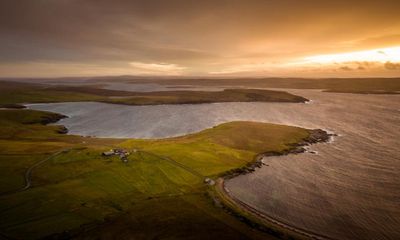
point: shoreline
(260, 220)
(196, 102)
(255, 218)
(316, 136)
(65, 130)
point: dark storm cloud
(116, 29)
(63, 29)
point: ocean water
(349, 190)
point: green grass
(18, 93)
(93, 196)
(195, 97)
(14, 94)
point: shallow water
(349, 190)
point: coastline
(316, 136)
(94, 149)
(197, 102)
(280, 229)
(259, 220)
(254, 217)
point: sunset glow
(200, 119)
(200, 38)
(376, 55)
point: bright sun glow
(377, 55)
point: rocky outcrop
(315, 136)
(53, 118)
(62, 130)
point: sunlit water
(349, 190)
(124, 86)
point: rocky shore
(316, 136)
(277, 229)
(53, 118)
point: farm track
(28, 173)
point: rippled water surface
(349, 190)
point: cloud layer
(187, 37)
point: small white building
(209, 181)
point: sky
(213, 38)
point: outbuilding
(108, 153)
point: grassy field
(14, 93)
(159, 194)
(193, 97)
